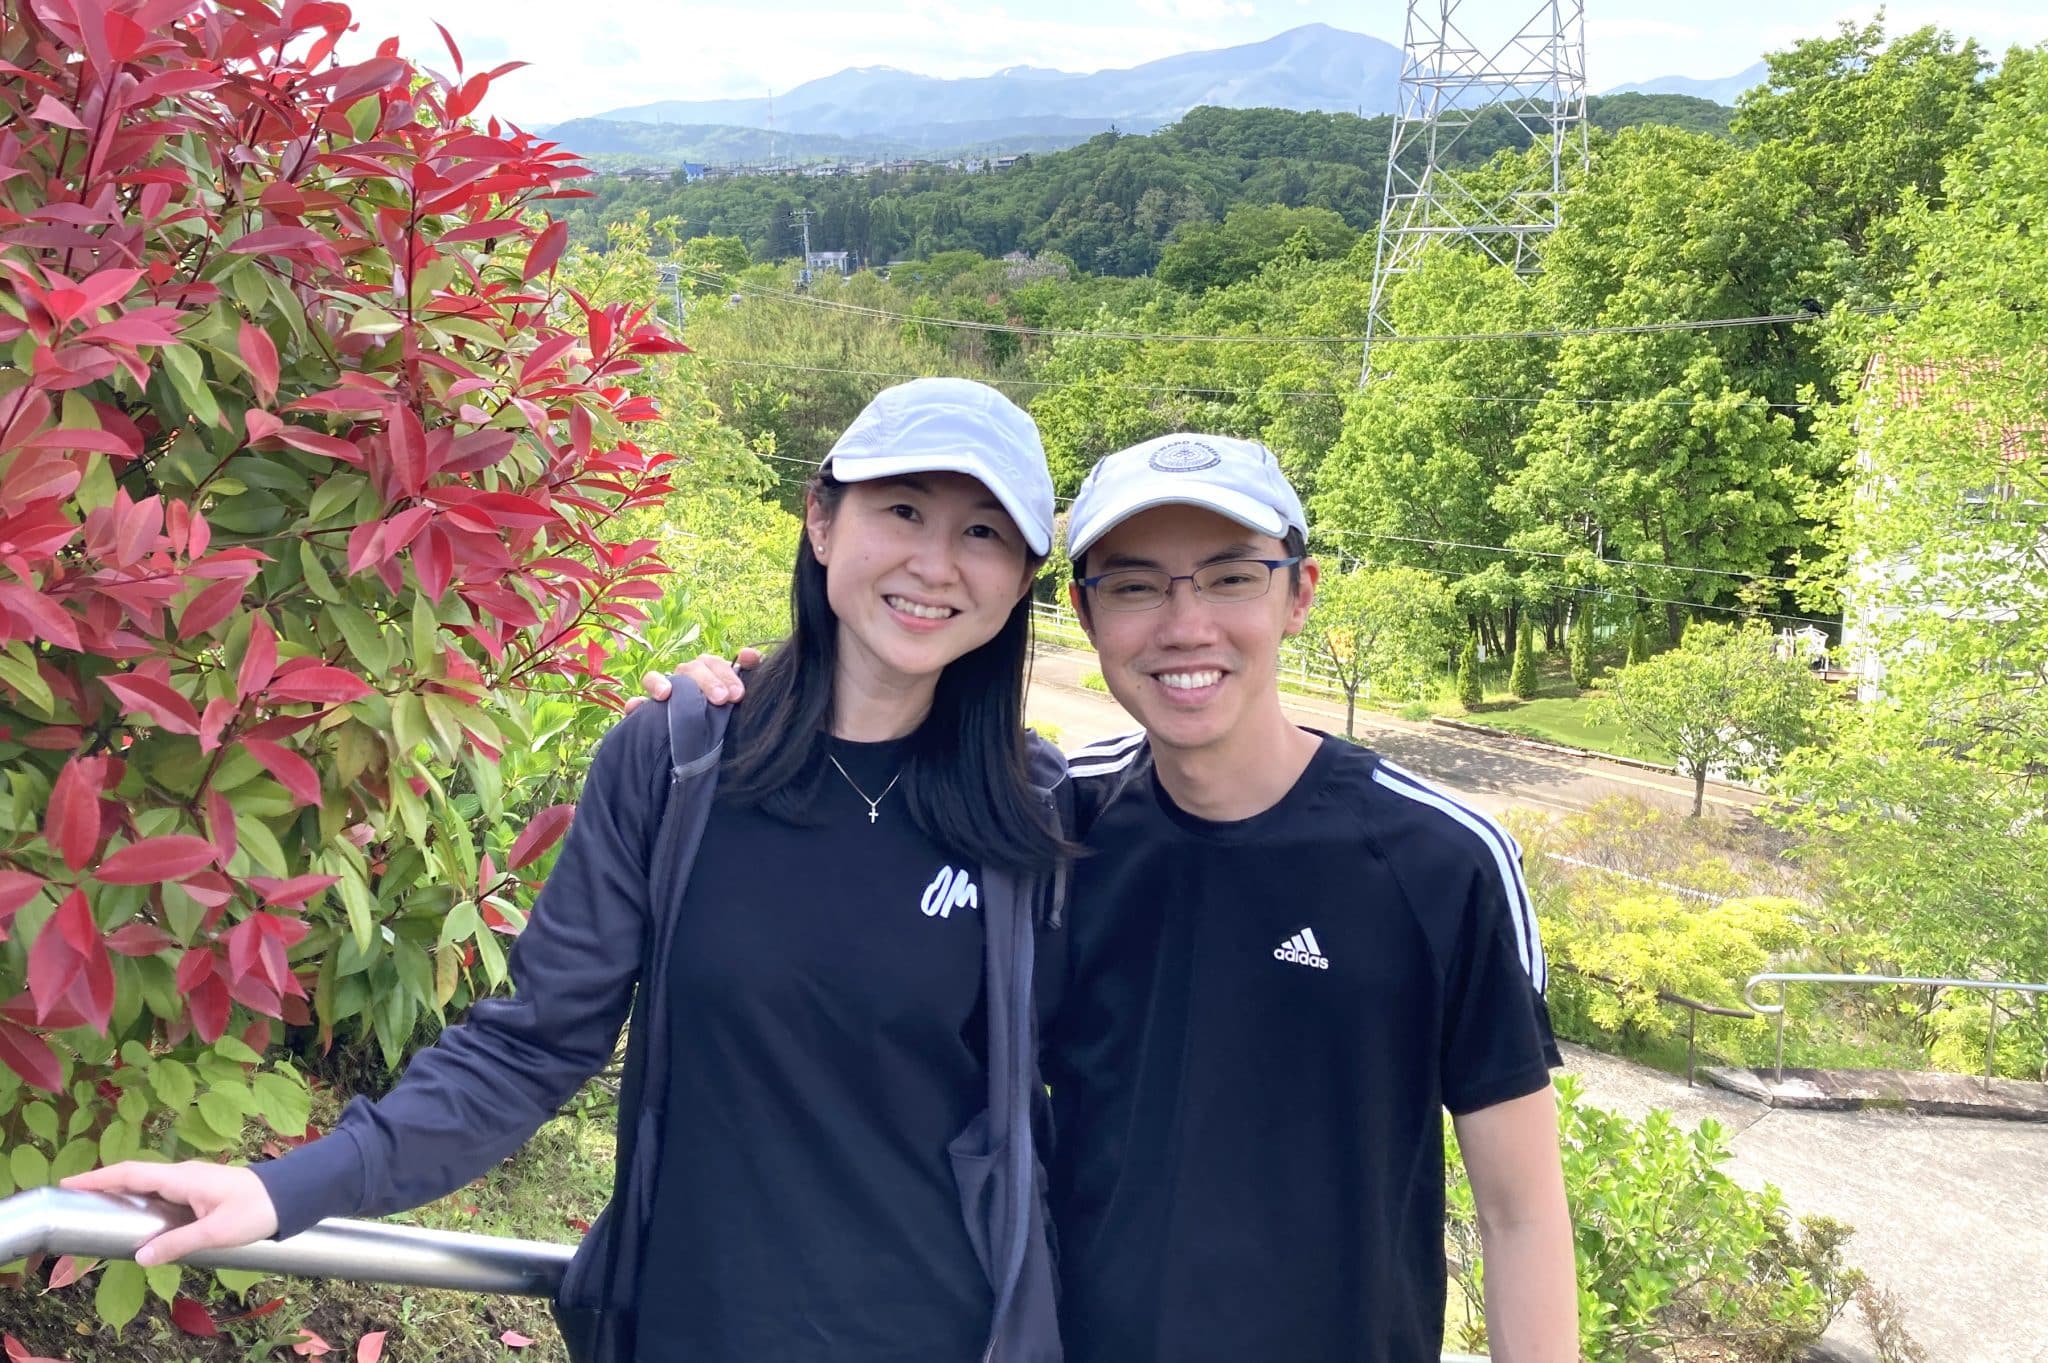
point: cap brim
(872, 466)
(1249, 512)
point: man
(1287, 957)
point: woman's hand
(718, 679)
(230, 1203)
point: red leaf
(259, 353)
(408, 449)
(16, 889)
(512, 1339)
(50, 111)
(325, 685)
(72, 824)
(191, 1317)
(68, 953)
(260, 425)
(157, 700)
(292, 771)
(29, 1056)
(259, 660)
(45, 617)
(455, 53)
(433, 559)
(139, 939)
(277, 239)
(310, 1345)
(312, 442)
(211, 607)
(66, 1272)
(547, 248)
(17, 1352)
(155, 860)
(370, 1347)
(297, 890)
(542, 831)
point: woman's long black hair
(965, 781)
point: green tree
(1469, 692)
(1206, 255)
(1385, 626)
(1722, 701)
(1929, 809)
(1638, 638)
(712, 263)
(1581, 648)
(1522, 676)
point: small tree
(1389, 626)
(1723, 700)
(1469, 692)
(1522, 677)
(1638, 640)
(1581, 649)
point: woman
(825, 1126)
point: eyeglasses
(1144, 589)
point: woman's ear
(817, 525)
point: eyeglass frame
(1271, 565)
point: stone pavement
(1951, 1213)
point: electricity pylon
(1537, 78)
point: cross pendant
(872, 815)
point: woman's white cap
(1237, 478)
(953, 426)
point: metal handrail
(115, 1225)
(1784, 979)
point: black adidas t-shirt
(1261, 1027)
(826, 1000)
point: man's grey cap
(953, 426)
(1236, 478)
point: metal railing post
(1991, 1046)
(1778, 1076)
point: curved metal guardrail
(114, 1226)
(1785, 979)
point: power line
(1485, 548)
(1057, 333)
(1239, 392)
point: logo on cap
(1186, 456)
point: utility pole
(1538, 78)
(802, 218)
(672, 278)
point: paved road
(1495, 774)
(1951, 1213)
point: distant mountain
(1311, 67)
(1726, 90)
(668, 144)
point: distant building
(1020, 267)
(840, 262)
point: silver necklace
(873, 811)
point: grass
(1566, 720)
(1094, 681)
(548, 1191)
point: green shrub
(1094, 682)
(1522, 679)
(1581, 650)
(1469, 692)
(1670, 1249)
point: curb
(1566, 750)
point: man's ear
(1303, 597)
(1074, 600)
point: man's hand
(229, 1201)
(718, 679)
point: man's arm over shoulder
(488, 1083)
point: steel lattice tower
(1538, 78)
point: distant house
(1885, 592)
(839, 262)
(1021, 267)
(692, 171)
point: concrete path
(1494, 774)
(1951, 1213)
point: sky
(605, 54)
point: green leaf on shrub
(30, 1167)
(75, 1158)
(119, 1295)
(283, 1103)
(41, 1120)
(187, 371)
(238, 1280)
(315, 573)
(194, 1130)
(18, 669)
(224, 1109)
(120, 1140)
(163, 1280)
(173, 1082)
(235, 1049)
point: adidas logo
(1302, 949)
